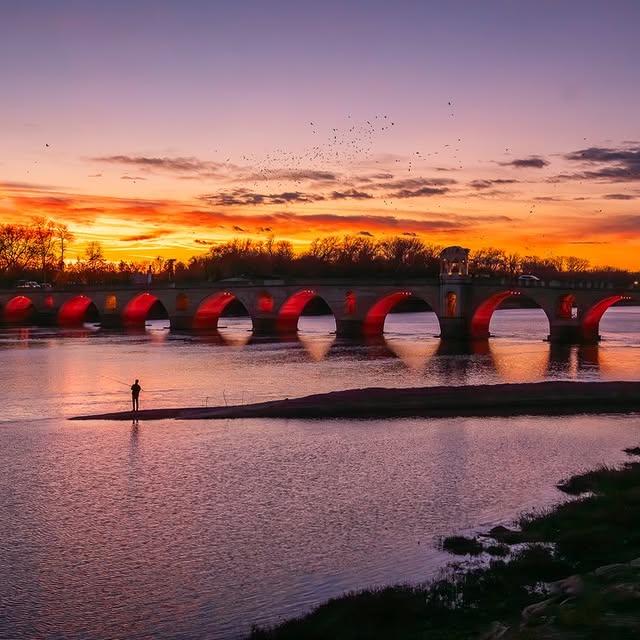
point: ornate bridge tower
(454, 293)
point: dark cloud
(25, 186)
(418, 193)
(265, 229)
(350, 194)
(239, 229)
(205, 242)
(619, 196)
(532, 162)
(414, 183)
(608, 164)
(171, 165)
(410, 234)
(309, 175)
(151, 235)
(365, 233)
(486, 184)
(589, 242)
(370, 177)
(240, 197)
(133, 178)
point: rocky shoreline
(567, 573)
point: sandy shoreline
(531, 398)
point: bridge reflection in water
(459, 362)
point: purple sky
(244, 81)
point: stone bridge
(463, 304)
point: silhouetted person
(135, 395)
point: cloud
(417, 193)
(99, 215)
(486, 184)
(151, 235)
(609, 164)
(310, 175)
(365, 233)
(350, 194)
(243, 197)
(410, 234)
(370, 177)
(180, 165)
(532, 162)
(205, 242)
(619, 196)
(25, 186)
(133, 178)
(589, 242)
(414, 183)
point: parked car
(525, 277)
(46, 285)
(27, 284)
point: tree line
(37, 251)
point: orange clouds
(528, 211)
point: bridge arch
(293, 307)
(481, 318)
(138, 309)
(77, 310)
(376, 315)
(211, 308)
(18, 310)
(590, 321)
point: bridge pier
(181, 322)
(349, 328)
(266, 326)
(111, 321)
(570, 332)
(456, 330)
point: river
(201, 529)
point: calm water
(200, 529)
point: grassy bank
(512, 595)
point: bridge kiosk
(455, 282)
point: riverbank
(532, 398)
(570, 572)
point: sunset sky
(161, 128)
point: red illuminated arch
(18, 309)
(482, 317)
(137, 309)
(292, 308)
(591, 319)
(210, 309)
(374, 320)
(74, 311)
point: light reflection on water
(200, 529)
